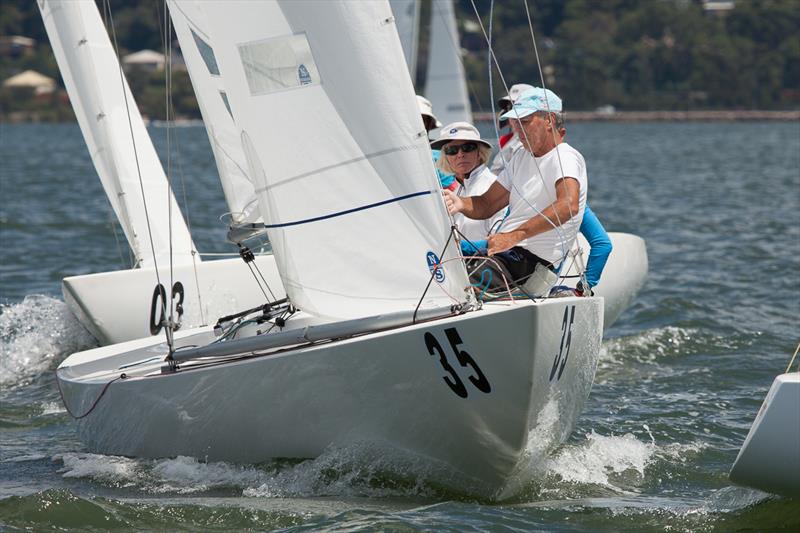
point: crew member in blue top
(447, 181)
(600, 249)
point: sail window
(225, 101)
(207, 53)
(278, 64)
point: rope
(792, 361)
(94, 404)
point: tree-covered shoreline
(627, 55)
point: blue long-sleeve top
(600, 243)
(445, 180)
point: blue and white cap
(533, 100)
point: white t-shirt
(533, 189)
(504, 154)
(477, 183)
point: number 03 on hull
(461, 394)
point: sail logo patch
(302, 73)
(435, 267)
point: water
(681, 377)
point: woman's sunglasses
(466, 148)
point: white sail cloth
(338, 152)
(446, 85)
(112, 127)
(190, 22)
(406, 15)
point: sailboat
(120, 305)
(769, 458)
(380, 338)
(406, 16)
(446, 83)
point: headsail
(114, 132)
(190, 24)
(406, 15)
(446, 85)
(338, 153)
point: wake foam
(35, 335)
(352, 471)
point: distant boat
(380, 338)
(769, 459)
(118, 306)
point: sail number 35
(453, 380)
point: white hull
(770, 456)
(115, 306)
(384, 388)
(623, 276)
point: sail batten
(336, 149)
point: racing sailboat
(380, 338)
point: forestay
(406, 15)
(446, 85)
(114, 132)
(338, 153)
(190, 23)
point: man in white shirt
(544, 186)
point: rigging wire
(457, 46)
(138, 168)
(557, 227)
(171, 109)
(167, 115)
(546, 102)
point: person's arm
(477, 207)
(600, 246)
(565, 207)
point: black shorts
(513, 266)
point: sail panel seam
(365, 157)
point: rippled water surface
(681, 377)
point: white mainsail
(114, 132)
(406, 15)
(446, 85)
(336, 147)
(190, 21)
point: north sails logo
(302, 73)
(435, 267)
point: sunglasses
(466, 148)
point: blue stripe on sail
(348, 211)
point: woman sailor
(465, 155)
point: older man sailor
(544, 186)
